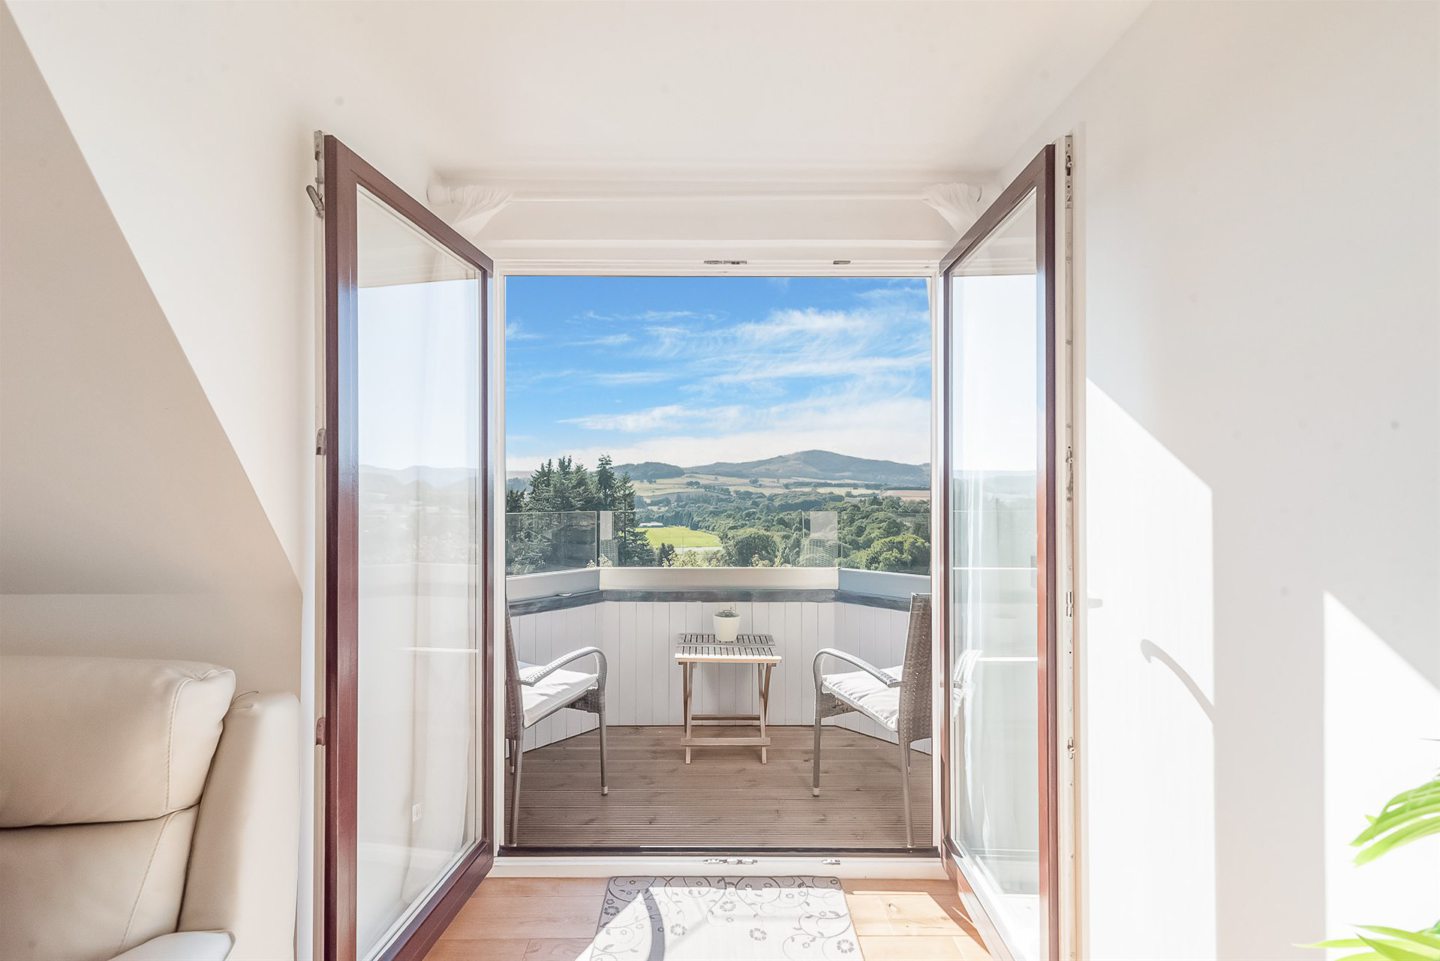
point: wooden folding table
(758, 649)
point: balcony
(725, 798)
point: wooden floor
(553, 919)
(725, 798)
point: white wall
(127, 524)
(1259, 243)
(203, 156)
(196, 123)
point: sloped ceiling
(117, 478)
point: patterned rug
(723, 919)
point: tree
(635, 549)
(750, 547)
(605, 482)
(666, 555)
(904, 552)
(790, 553)
(698, 559)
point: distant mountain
(433, 476)
(823, 465)
(806, 465)
(650, 470)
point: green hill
(822, 465)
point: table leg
(764, 708)
(686, 670)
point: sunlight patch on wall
(1149, 695)
(1382, 736)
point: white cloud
(634, 422)
(820, 365)
(610, 340)
(804, 324)
(623, 378)
(894, 429)
(794, 344)
(650, 316)
(665, 417)
(514, 331)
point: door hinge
(1070, 748)
(1069, 603)
(320, 442)
(320, 731)
(1069, 172)
(315, 191)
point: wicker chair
(896, 698)
(533, 693)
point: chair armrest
(536, 675)
(884, 677)
(182, 946)
(242, 873)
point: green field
(680, 537)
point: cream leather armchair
(146, 813)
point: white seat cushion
(557, 689)
(866, 694)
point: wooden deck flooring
(553, 919)
(725, 798)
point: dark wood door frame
(1037, 177)
(343, 173)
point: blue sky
(696, 369)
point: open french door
(408, 649)
(999, 541)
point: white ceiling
(739, 114)
(771, 89)
(778, 132)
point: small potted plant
(727, 625)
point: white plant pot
(726, 629)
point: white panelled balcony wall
(634, 615)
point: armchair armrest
(884, 677)
(537, 674)
(182, 946)
(242, 874)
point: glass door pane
(999, 317)
(418, 333)
(408, 652)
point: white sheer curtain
(419, 410)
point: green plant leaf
(1426, 791)
(1422, 939)
(1390, 819)
(1395, 952)
(1398, 838)
(1366, 955)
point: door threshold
(920, 864)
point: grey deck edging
(873, 600)
(560, 602)
(554, 602)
